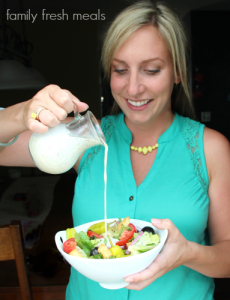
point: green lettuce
(95, 242)
(145, 243)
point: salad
(123, 240)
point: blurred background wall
(65, 53)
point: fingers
(175, 253)
(66, 100)
(167, 260)
(139, 284)
(165, 224)
(142, 276)
(58, 103)
(152, 272)
(62, 98)
(49, 119)
(81, 106)
(161, 223)
(36, 126)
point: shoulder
(217, 155)
(217, 151)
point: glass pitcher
(57, 150)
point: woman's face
(142, 76)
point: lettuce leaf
(145, 243)
(95, 242)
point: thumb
(161, 223)
(82, 106)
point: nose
(134, 84)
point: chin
(137, 118)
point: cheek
(162, 86)
(116, 85)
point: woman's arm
(214, 260)
(10, 123)
(17, 154)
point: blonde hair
(143, 13)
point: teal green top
(175, 188)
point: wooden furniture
(12, 248)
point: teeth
(138, 103)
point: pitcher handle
(77, 116)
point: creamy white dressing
(105, 184)
(55, 151)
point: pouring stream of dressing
(105, 181)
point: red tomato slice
(126, 235)
(91, 233)
(69, 245)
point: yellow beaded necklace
(144, 150)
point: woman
(178, 184)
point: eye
(152, 72)
(120, 71)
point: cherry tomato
(69, 245)
(126, 235)
(91, 234)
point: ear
(177, 79)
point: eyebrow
(144, 61)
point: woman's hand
(174, 254)
(58, 104)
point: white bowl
(110, 273)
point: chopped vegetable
(97, 256)
(125, 223)
(136, 238)
(92, 234)
(69, 245)
(99, 228)
(117, 251)
(116, 233)
(85, 240)
(70, 233)
(145, 243)
(134, 241)
(78, 252)
(126, 235)
(95, 242)
(148, 229)
(79, 238)
(94, 251)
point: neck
(148, 134)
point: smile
(138, 103)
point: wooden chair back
(12, 248)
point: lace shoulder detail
(190, 131)
(108, 127)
